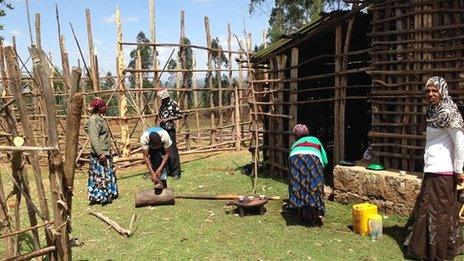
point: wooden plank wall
(412, 41)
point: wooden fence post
(60, 206)
(73, 121)
(293, 109)
(125, 140)
(210, 81)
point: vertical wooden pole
(60, 206)
(125, 141)
(38, 38)
(280, 158)
(293, 109)
(186, 93)
(344, 82)
(220, 105)
(338, 65)
(92, 55)
(241, 83)
(139, 80)
(73, 120)
(3, 72)
(195, 95)
(210, 81)
(237, 134)
(272, 120)
(155, 52)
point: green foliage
(146, 52)
(287, 16)
(4, 5)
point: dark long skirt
(306, 188)
(101, 185)
(174, 159)
(436, 234)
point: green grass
(206, 229)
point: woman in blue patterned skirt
(306, 181)
(102, 186)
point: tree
(146, 52)
(217, 58)
(4, 5)
(287, 16)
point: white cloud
(112, 19)
(97, 41)
(15, 32)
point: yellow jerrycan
(360, 215)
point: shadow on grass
(399, 234)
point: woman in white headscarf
(436, 234)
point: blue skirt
(306, 187)
(102, 186)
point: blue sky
(135, 15)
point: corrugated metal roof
(326, 21)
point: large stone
(391, 192)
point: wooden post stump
(149, 198)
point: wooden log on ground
(149, 198)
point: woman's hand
(460, 177)
(102, 159)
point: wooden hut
(317, 76)
(357, 77)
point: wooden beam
(293, 109)
(210, 80)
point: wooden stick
(26, 229)
(26, 148)
(36, 253)
(180, 45)
(122, 231)
(219, 197)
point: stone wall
(392, 193)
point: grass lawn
(207, 229)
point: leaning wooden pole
(92, 55)
(236, 114)
(64, 55)
(38, 37)
(73, 122)
(60, 206)
(18, 170)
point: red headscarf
(98, 105)
(300, 130)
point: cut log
(149, 198)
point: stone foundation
(392, 193)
